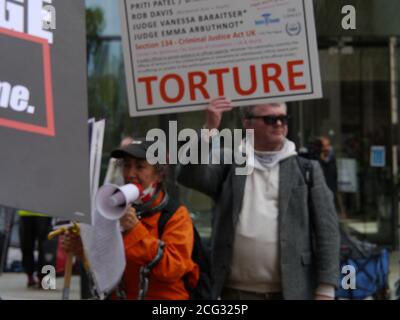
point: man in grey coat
(266, 242)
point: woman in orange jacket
(171, 255)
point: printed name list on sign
(179, 54)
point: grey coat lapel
(286, 183)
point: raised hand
(215, 110)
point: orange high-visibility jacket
(166, 278)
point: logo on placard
(293, 29)
(267, 20)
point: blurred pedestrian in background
(33, 229)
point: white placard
(104, 249)
(96, 150)
(179, 54)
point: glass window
(355, 115)
(110, 10)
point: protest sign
(97, 130)
(179, 54)
(102, 240)
(44, 165)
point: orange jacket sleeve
(141, 247)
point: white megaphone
(112, 201)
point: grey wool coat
(304, 263)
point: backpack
(200, 256)
(306, 169)
(371, 266)
(371, 263)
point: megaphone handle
(67, 276)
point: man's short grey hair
(248, 112)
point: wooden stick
(67, 276)
(69, 263)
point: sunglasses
(272, 120)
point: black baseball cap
(136, 149)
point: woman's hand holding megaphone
(129, 220)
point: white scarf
(268, 159)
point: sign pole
(74, 229)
